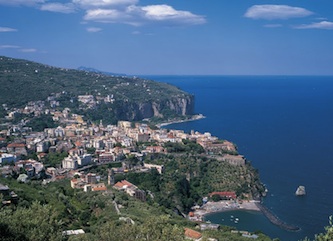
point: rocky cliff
(175, 106)
(94, 95)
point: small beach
(223, 206)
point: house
(98, 187)
(236, 160)
(17, 148)
(94, 187)
(91, 178)
(130, 189)
(159, 168)
(192, 234)
(70, 163)
(7, 158)
(106, 157)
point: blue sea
(284, 127)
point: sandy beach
(223, 206)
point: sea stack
(300, 191)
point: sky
(175, 37)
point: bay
(284, 127)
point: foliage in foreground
(327, 235)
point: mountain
(95, 95)
(100, 72)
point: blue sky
(219, 37)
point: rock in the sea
(300, 191)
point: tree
(36, 223)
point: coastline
(192, 118)
(252, 205)
(223, 206)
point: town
(81, 146)
(94, 144)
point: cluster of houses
(111, 142)
(88, 182)
(92, 182)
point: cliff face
(94, 95)
(175, 106)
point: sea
(283, 125)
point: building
(192, 234)
(94, 187)
(70, 163)
(236, 160)
(224, 195)
(106, 157)
(159, 168)
(126, 186)
(91, 178)
(17, 148)
(7, 158)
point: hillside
(118, 98)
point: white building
(70, 163)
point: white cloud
(319, 25)
(136, 32)
(103, 3)
(168, 13)
(270, 12)
(5, 29)
(105, 15)
(138, 15)
(58, 7)
(9, 46)
(94, 30)
(28, 50)
(21, 2)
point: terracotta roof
(16, 145)
(99, 188)
(118, 185)
(190, 233)
(122, 183)
(224, 194)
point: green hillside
(22, 81)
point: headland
(192, 118)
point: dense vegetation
(43, 212)
(23, 81)
(188, 178)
